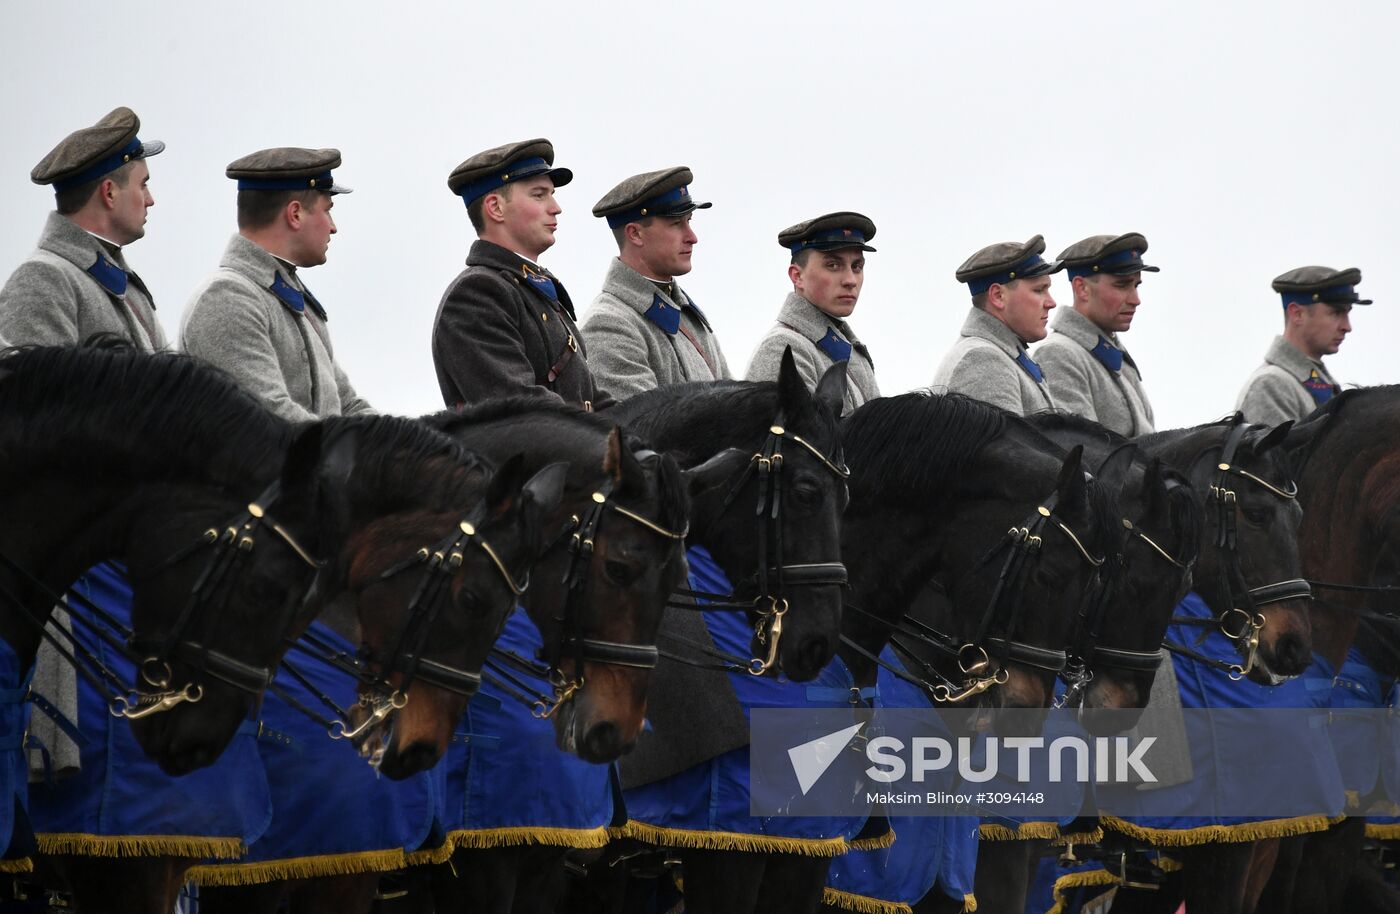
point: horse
(117, 404)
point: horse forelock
(917, 444)
(164, 414)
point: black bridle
(233, 547)
(1086, 654)
(1242, 621)
(772, 578)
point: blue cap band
(101, 167)
(831, 239)
(660, 205)
(323, 181)
(515, 171)
(1336, 294)
(983, 283)
(1107, 264)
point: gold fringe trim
(1023, 832)
(734, 841)
(1221, 834)
(1094, 836)
(969, 904)
(1071, 881)
(429, 855)
(862, 904)
(874, 844)
(1387, 831)
(297, 868)
(20, 865)
(83, 845)
(1353, 799)
(527, 834)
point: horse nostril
(1290, 655)
(816, 653)
(602, 742)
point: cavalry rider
(1292, 382)
(643, 330)
(505, 325)
(254, 318)
(827, 271)
(1088, 371)
(1011, 304)
(77, 283)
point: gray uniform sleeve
(617, 354)
(229, 328)
(721, 362)
(1068, 382)
(38, 306)
(1267, 400)
(988, 375)
(768, 359)
(351, 403)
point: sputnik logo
(811, 759)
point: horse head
(430, 609)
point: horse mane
(918, 442)
(1069, 422)
(390, 457)
(695, 419)
(116, 408)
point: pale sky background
(1242, 139)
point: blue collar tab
(540, 281)
(108, 275)
(1340, 295)
(665, 204)
(834, 346)
(515, 171)
(1112, 264)
(291, 296)
(1017, 271)
(1029, 366)
(836, 238)
(323, 181)
(1318, 387)
(1110, 355)
(663, 315)
(101, 167)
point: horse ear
(716, 471)
(540, 496)
(303, 458)
(504, 486)
(1302, 434)
(792, 391)
(1072, 486)
(831, 389)
(1276, 436)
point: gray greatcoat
(1275, 392)
(238, 321)
(1085, 386)
(630, 353)
(72, 287)
(802, 325)
(983, 365)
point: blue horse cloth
(929, 853)
(120, 803)
(707, 806)
(354, 821)
(504, 781)
(1305, 771)
(16, 838)
(1370, 753)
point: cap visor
(340, 189)
(1044, 269)
(840, 246)
(1131, 268)
(151, 148)
(560, 176)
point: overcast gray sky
(1242, 139)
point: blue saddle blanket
(120, 802)
(16, 837)
(505, 781)
(354, 819)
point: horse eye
(1255, 516)
(807, 496)
(619, 573)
